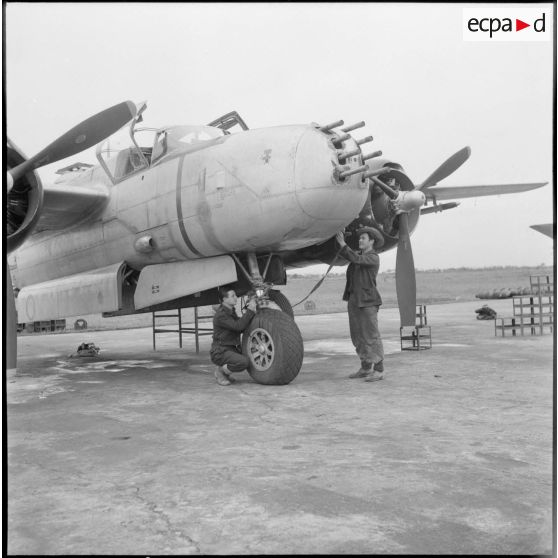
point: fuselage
(264, 190)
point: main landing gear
(272, 342)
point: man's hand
(251, 304)
(340, 237)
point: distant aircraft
(547, 229)
(174, 212)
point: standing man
(226, 351)
(364, 302)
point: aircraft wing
(458, 192)
(64, 205)
(547, 229)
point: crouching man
(226, 351)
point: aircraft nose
(321, 191)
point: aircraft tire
(282, 349)
(282, 301)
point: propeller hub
(410, 200)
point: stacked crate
(533, 314)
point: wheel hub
(261, 349)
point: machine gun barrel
(365, 140)
(329, 127)
(371, 155)
(353, 127)
(346, 173)
(346, 154)
(341, 138)
(390, 192)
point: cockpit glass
(180, 137)
(190, 135)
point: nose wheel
(273, 344)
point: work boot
(360, 373)
(221, 377)
(228, 373)
(379, 366)
(374, 376)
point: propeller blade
(11, 324)
(446, 168)
(460, 192)
(405, 281)
(83, 136)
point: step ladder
(419, 336)
(196, 330)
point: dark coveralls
(364, 301)
(226, 349)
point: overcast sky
(405, 69)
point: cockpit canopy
(175, 138)
(134, 149)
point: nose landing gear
(274, 346)
(272, 342)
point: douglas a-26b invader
(164, 220)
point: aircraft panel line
(179, 211)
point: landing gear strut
(272, 342)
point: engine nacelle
(379, 211)
(24, 201)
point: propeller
(405, 202)
(405, 280)
(83, 136)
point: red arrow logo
(519, 25)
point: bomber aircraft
(169, 214)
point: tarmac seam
(153, 508)
(270, 409)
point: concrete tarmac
(141, 452)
